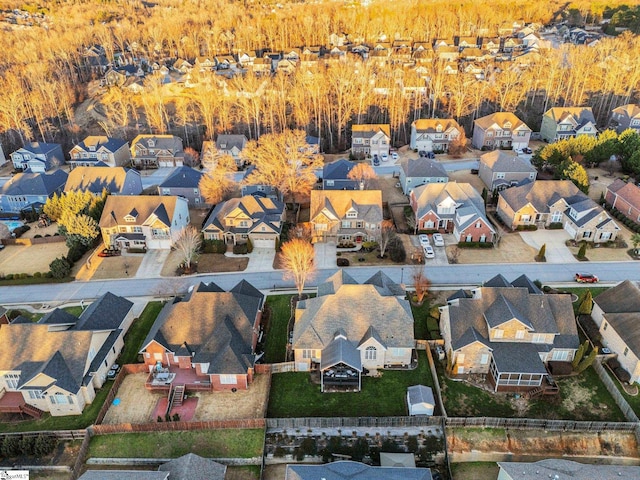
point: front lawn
(68, 422)
(137, 333)
(293, 394)
(236, 443)
(75, 310)
(275, 333)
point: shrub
(37, 275)
(583, 250)
(60, 268)
(475, 245)
(555, 226)
(622, 374)
(44, 445)
(396, 250)
(10, 446)
(24, 275)
(279, 452)
(75, 253)
(18, 232)
(249, 245)
(214, 246)
(343, 262)
(8, 276)
(27, 445)
(37, 236)
(240, 249)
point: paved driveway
(152, 263)
(261, 260)
(556, 251)
(325, 255)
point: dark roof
(261, 210)
(95, 179)
(568, 470)
(193, 467)
(385, 285)
(499, 161)
(459, 294)
(58, 317)
(621, 307)
(41, 184)
(106, 313)
(141, 207)
(348, 470)
(228, 141)
(182, 177)
(524, 281)
(40, 147)
(338, 170)
(497, 281)
(517, 357)
(341, 350)
(123, 475)
(423, 167)
(102, 354)
(93, 143)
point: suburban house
(501, 130)
(509, 332)
(420, 171)
(616, 312)
(546, 202)
(556, 468)
(251, 217)
(232, 145)
(346, 216)
(451, 208)
(499, 170)
(624, 197)
(625, 117)
(143, 221)
(153, 151)
(350, 328)
(30, 191)
(434, 134)
(560, 123)
(56, 364)
(206, 340)
(335, 176)
(114, 152)
(350, 470)
(38, 157)
(183, 182)
(370, 140)
(115, 180)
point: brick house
(624, 197)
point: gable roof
(228, 141)
(463, 194)
(39, 148)
(41, 184)
(106, 313)
(341, 350)
(193, 467)
(578, 115)
(58, 316)
(349, 470)
(370, 130)
(420, 394)
(219, 331)
(541, 194)
(338, 170)
(123, 475)
(368, 203)
(96, 179)
(93, 143)
(430, 125)
(499, 161)
(623, 298)
(182, 177)
(628, 191)
(631, 110)
(261, 210)
(171, 143)
(423, 167)
(141, 207)
(499, 119)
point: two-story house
(251, 217)
(335, 176)
(500, 130)
(625, 117)
(143, 221)
(27, 191)
(420, 171)
(346, 216)
(232, 145)
(206, 340)
(153, 151)
(451, 208)
(331, 334)
(509, 332)
(113, 152)
(183, 182)
(499, 170)
(624, 197)
(434, 134)
(370, 140)
(544, 202)
(115, 180)
(560, 123)
(38, 157)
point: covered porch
(517, 367)
(340, 366)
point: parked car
(474, 171)
(586, 278)
(438, 240)
(109, 252)
(527, 151)
(424, 240)
(428, 251)
(394, 155)
(385, 157)
(376, 161)
(422, 153)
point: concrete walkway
(556, 250)
(152, 263)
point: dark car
(586, 278)
(422, 153)
(527, 151)
(431, 155)
(474, 171)
(376, 160)
(109, 252)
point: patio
(163, 379)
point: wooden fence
(175, 426)
(82, 454)
(363, 422)
(615, 393)
(64, 435)
(124, 371)
(283, 367)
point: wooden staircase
(178, 396)
(31, 410)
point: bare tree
(420, 282)
(187, 242)
(362, 173)
(297, 262)
(191, 157)
(387, 232)
(217, 183)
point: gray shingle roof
(524, 281)
(227, 142)
(368, 203)
(501, 311)
(420, 394)
(569, 470)
(193, 467)
(123, 475)
(261, 210)
(106, 313)
(182, 177)
(140, 206)
(430, 195)
(621, 307)
(517, 357)
(541, 194)
(40, 148)
(499, 161)
(96, 179)
(348, 470)
(43, 184)
(58, 317)
(341, 350)
(423, 167)
(337, 170)
(98, 141)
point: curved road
(453, 275)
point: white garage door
(263, 243)
(569, 229)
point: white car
(424, 240)
(394, 155)
(438, 241)
(428, 252)
(385, 157)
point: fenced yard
(278, 313)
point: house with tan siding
(434, 134)
(370, 140)
(500, 130)
(509, 331)
(546, 202)
(499, 170)
(625, 117)
(559, 123)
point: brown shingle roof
(140, 206)
(500, 118)
(627, 191)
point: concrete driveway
(325, 255)
(556, 251)
(441, 252)
(152, 263)
(261, 260)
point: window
(61, 399)
(330, 183)
(573, 214)
(531, 176)
(556, 217)
(484, 359)
(478, 224)
(522, 134)
(359, 224)
(228, 380)
(308, 354)
(561, 355)
(346, 224)
(321, 227)
(525, 218)
(352, 214)
(166, 191)
(370, 353)
(499, 176)
(11, 380)
(36, 394)
(586, 234)
(626, 350)
(397, 352)
(520, 334)
(605, 236)
(497, 333)
(137, 229)
(428, 224)
(489, 134)
(538, 338)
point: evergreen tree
(586, 305)
(587, 361)
(579, 354)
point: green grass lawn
(467, 470)
(275, 346)
(34, 317)
(137, 332)
(68, 422)
(206, 443)
(632, 400)
(75, 311)
(581, 292)
(293, 394)
(425, 327)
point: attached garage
(570, 229)
(420, 400)
(263, 242)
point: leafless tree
(216, 184)
(420, 282)
(187, 242)
(386, 233)
(297, 262)
(362, 173)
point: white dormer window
(438, 128)
(507, 125)
(129, 218)
(352, 213)
(573, 214)
(151, 143)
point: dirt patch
(274, 472)
(390, 192)
(30, 259)
(242, 473)
(65, 453)
(465, 176)
(136, 402)
(207, 263)
(124, 266)
(512, 249)
(234, 405)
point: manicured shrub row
(475, 245)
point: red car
(586, 278)
(109, 252)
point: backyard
(137, 333)
(293, 394)
(425, 325)
(278, 312)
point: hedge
(475, 245)
(528, 228)
(214, 246)
(240, 249)
(555, 226)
